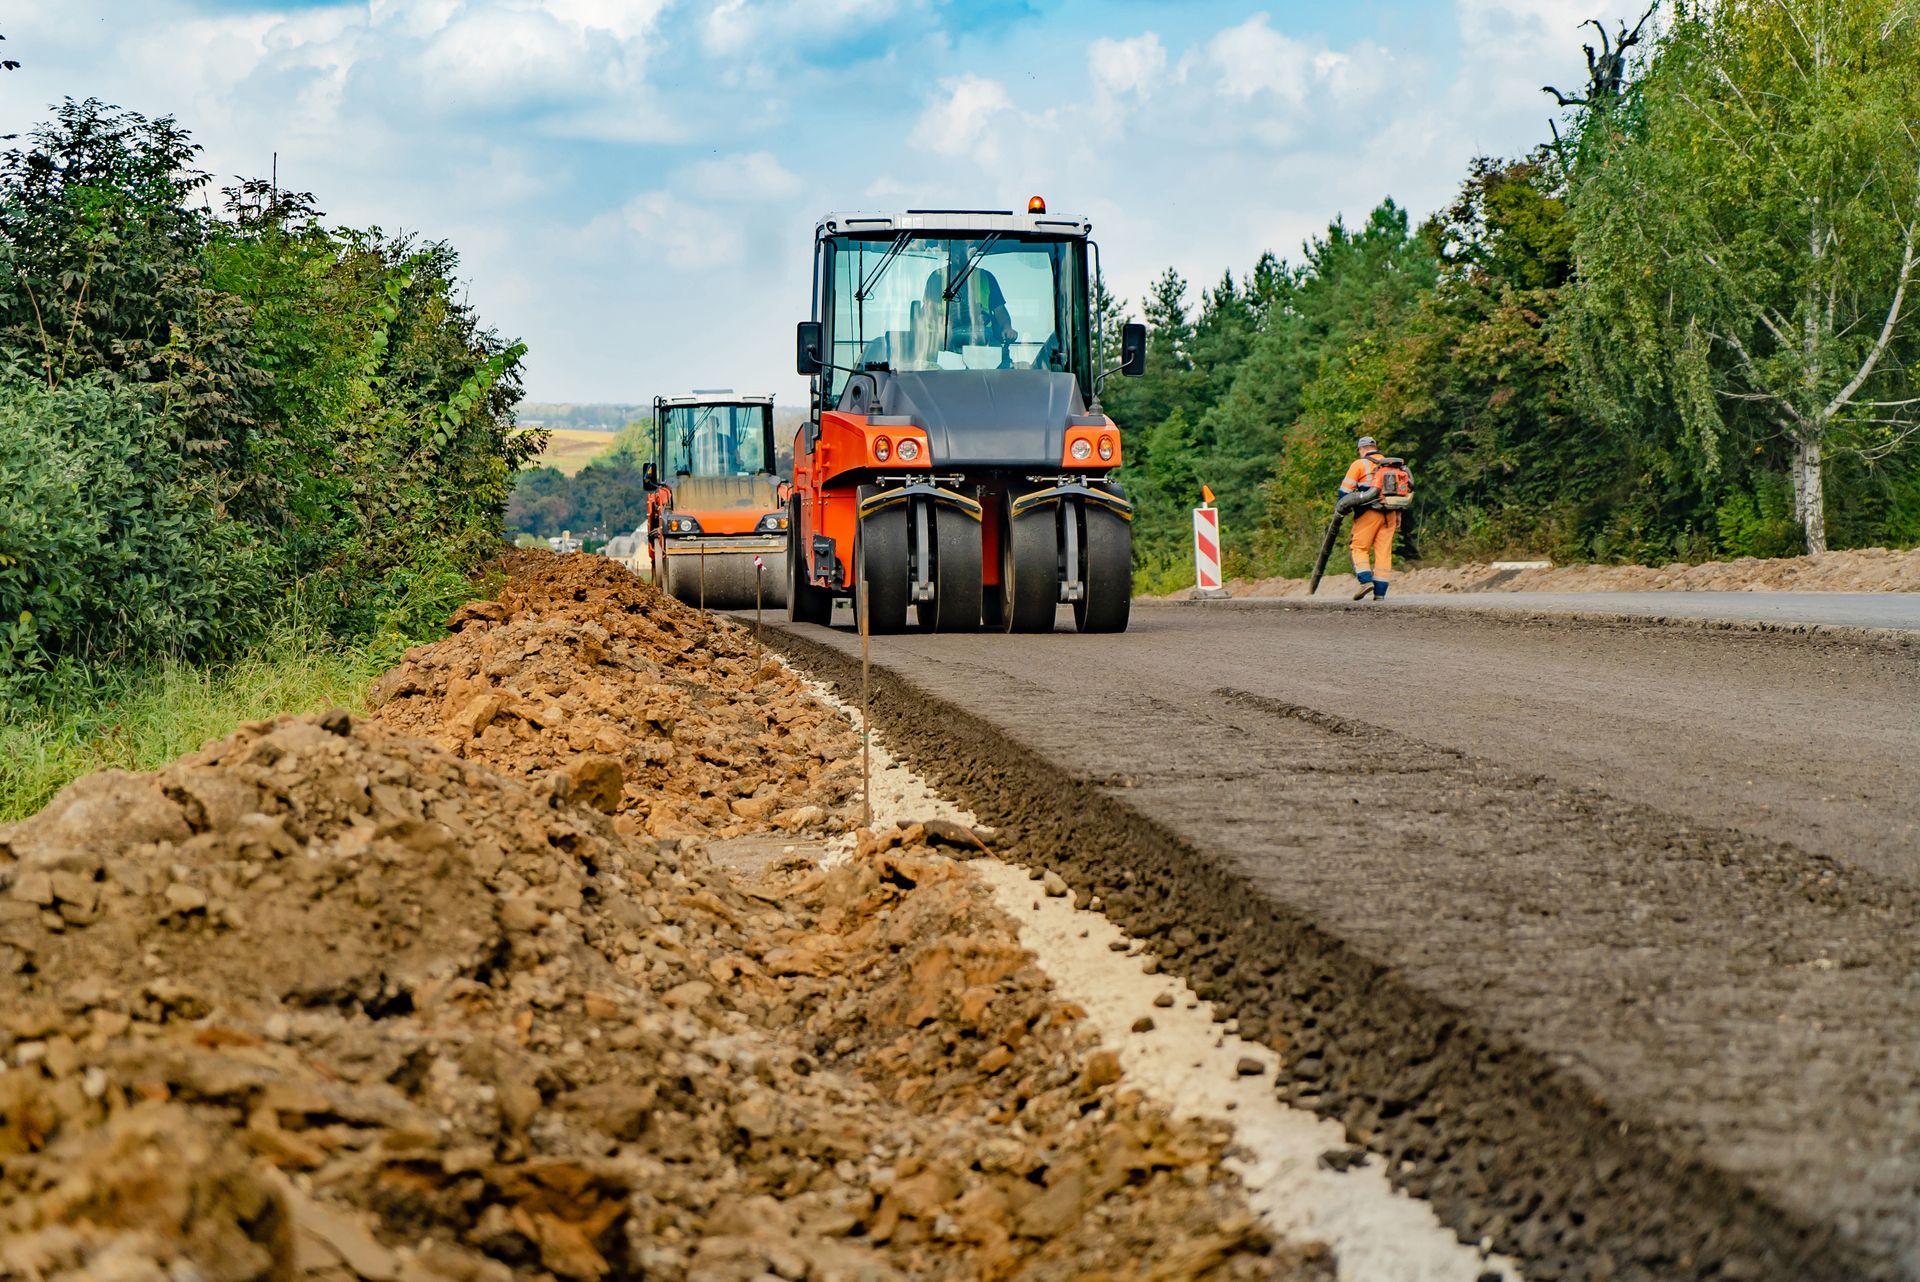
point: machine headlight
(1082, 449)
(682, 525)
(909, 451)
(882, 449)
(1106, 448)
(773, 522)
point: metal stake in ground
(758, 566)
(703, 576)
(866, 684)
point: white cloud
(964, 121)
(1131, 66)
(623, 19)
(735, 27)
(628, 179)
(1254, 61)
(412, 17)
(755, 176)
(582, 62)
(500, 61)
(1253, 58)
(682, 235)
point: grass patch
(142, 718)
(1163, 576)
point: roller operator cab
(956, 454)
(714, 502)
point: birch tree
(1746, 236)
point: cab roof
(955, 221)
(711, 398)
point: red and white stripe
(1206, 549)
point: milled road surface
(1604, 935)
(1899, 610)
(1813, 743)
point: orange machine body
(828, 477)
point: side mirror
(649, 477)
(1133, 350)
(806, 347)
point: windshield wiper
(886, 261)
(966, 270)
(693, 428)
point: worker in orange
(1373, 527)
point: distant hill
(599, 417)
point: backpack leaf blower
(1348, 502)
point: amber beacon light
(1037, 205)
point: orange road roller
(956, 459)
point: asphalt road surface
(1603, 935)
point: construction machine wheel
(722, 580)
(1106, 572)
(883, 547)
(805, 602)
(1030, 572)
(679, 580)
(956, 600)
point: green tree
(1473, 383)
(1746, 225)
(234, 417)
(1268, 450)
(102, 247)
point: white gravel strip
(1192, 1064)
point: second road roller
(715, 504)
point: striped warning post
(1206, 551)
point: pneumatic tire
(1106, 571)
(883, 549)
(956, 600)
(1030, 571)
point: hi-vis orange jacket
(1360, 474)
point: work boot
(1379, 589)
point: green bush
(1759, 521)
(216, 424)
(108, 550)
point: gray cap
(1366, 440)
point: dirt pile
(1861, 570)
(657, 712)
(327, 1001)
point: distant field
(569, 448)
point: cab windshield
(954, 303)
(716, 440)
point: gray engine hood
(1015, 417)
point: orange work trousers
(1373, 532)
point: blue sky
(633, 183)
